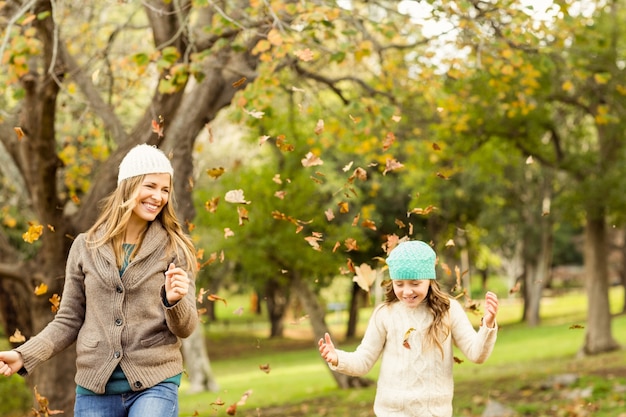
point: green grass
(299, 384)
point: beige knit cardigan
(118, 320)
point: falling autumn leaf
(263, 139)
(436, 147)
(19, 132)
(242, 212)
(396, 118)
(215, 172)
(343, 207)
(529, 160)
(33, 233)
(215, 297)
(392, 165)
(319, 127)
(239, 82)
(17, 337)
(457, 360)
(449, 243)
(358, 173)
(55, 300)
(365, 276)
(236, 197)
(368, 224)
(280, 194)
(576, 326)
(157, 127)
(41, 289)
(329, 214)
(311, 159)
(351, 244)
(516, 287)
(228, 232)
(211, 205)
(390, 138)
(405, 340)
(265, 368)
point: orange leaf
(41, 289)
(214, 297)
(55, 300)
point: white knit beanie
(144, 159)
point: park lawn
(518, 373)
(295, 382)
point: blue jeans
(158, 401)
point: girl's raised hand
(327, 349)
(491, 309)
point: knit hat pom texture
(144, 159)
(412, 260)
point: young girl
(129, 297)
(413, 331)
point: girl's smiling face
(411, 291)
(154, 193)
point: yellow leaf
(567, 86)
(17, 337)
(601, 78)
(33, 233)
(41, 289)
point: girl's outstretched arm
(327, 349)
(491, 309)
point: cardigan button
(118, 322)
(138, 384)
(117, 354)
(119, 289)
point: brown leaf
(265, 368)
(239, 82)
(19, 132)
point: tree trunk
(201, 376)
(277, 302)
(598, 336)
(536, 281)
(353, 315)
(315, 312)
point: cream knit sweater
(415, 381)
(117, 320)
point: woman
(128, 299)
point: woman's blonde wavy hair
(116, 211)
(439, 305)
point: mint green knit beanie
(412, 259)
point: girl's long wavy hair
(116, 211)
(439, 304)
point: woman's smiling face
(411, 291)
(154, 193)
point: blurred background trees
(307, 137)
